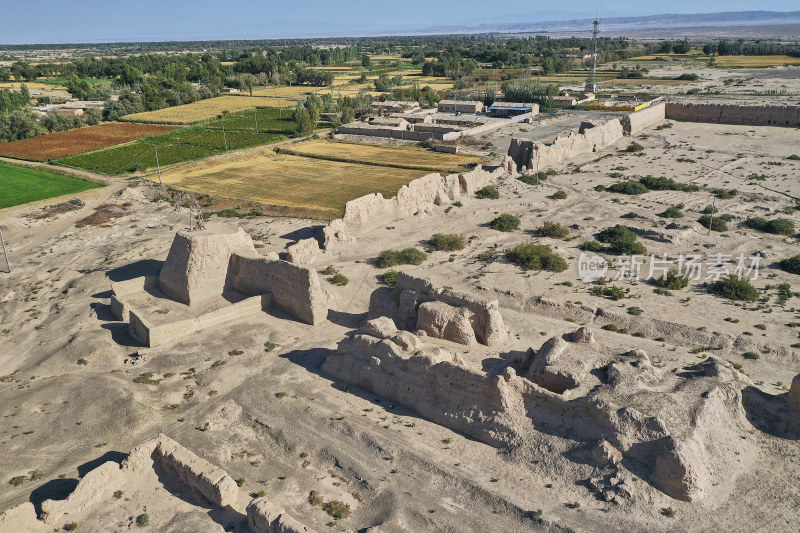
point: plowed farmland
(55, 145)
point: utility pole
(591, 80)
(5, 252)
(711, 220)
(255, 115)
(158, 165)
(224, 136)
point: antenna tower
(591, 80)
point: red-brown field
(72, 142)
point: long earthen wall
(762, 115)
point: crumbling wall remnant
(404, 302)
(264, 516)
(633, 123)
(294, 289)
(196, 268)
(196, 473)
(685, 433)
(373, 211)
(590, 137)
(752, 115)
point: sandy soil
(397, 471)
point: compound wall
(762, 115)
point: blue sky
(57, 21)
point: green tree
(302, 119)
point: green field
(20, 185)
(188, 144)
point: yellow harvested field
(755, 61)
(263, 176)
(382, 154)
(296, 91)
(206, 109)
(31, 85)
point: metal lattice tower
(591, 80)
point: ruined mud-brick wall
(762, 115)
(373, 211)
(590, 138)
(402, 302)
(196, 268)
(293, 288)
(431, 384)
(645, 118)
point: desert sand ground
(273, 419)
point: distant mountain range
(737, 18)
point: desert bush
(734, 288)
(407, 256)
(505, 222)
(143, 520)
(666, 184)
(791, 264)
(553, 230)
(536, 257)
(724, 194)
(447, 242)
(336, 509)
(314, 498)
(390, 277)
(713, 223)
(669, 512)
(592, 246)
(146, 378)
(671, 212)
(16, 481)
(622, 241)
(559, 195)
(794, 157)
(487, 192)
(537, 177)
(339, 279)
(672, 280)
(635, 311)
(634, 147)
(778, 226)
(613, 292)
(240, 482)
(710, 210)
(750, 355)
(70, 526)
(627, 187)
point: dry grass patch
(755, 61)
(206, 109)
(287, 180)
(411, 157)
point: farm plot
(408, 157)
(21, 185)
(205, 109)
(188, 144)
(55, 145)
(291, 181)
(755, 61)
